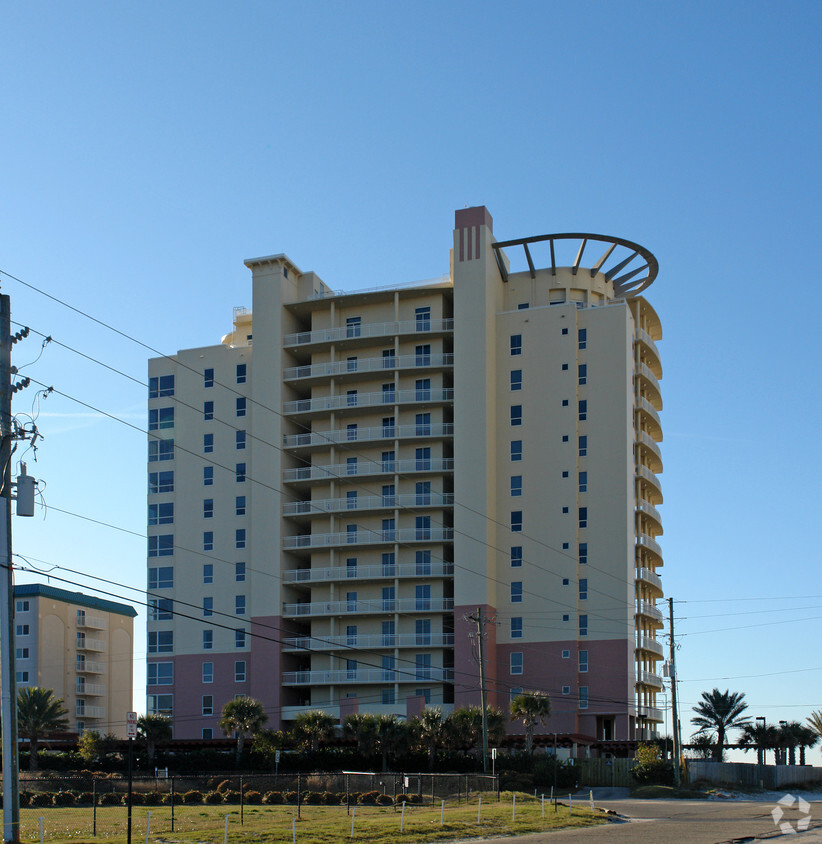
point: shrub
(64, 798)
(313, 798)
(402, 798)
(273, 798)
(291, 798)
(176, 797)
(416, 799)
(224, 786)
(332, 799)
(650, 767)
(385, 800)
(43, 798)
(137, 799)
(231, 797)
(213, 798)
(152, 798)
(86, 797)
(193, 797)
(110, 798)
(253, 798)
(369, 798)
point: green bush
(110, 798)
(152, 798)
(332, 799)
(313, 798)
(385, 800)
(273, 798)
(231, 797)
(137, 799)
(650, 768)
(223, 786)
(176, 797)
(253, 798)
(193, 797)
(369, 798)
(64, 798)
(42, 798)
(86, 797)
(291, 798)
(213, 798)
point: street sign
(131, 725)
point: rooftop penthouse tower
(348, 476)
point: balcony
(89, 644)
(339, 436)
(643, 541)
(92, 689)
(324, 506)
(652, 420)
(367, 675)
(650, 384)
(352, 333)
(375, 606)
(646, 643)
(375, 572)
(651, 579)
(648, 510)
(402, 640)
(91, 622)
(650, 713)
(89, 667)
(368, 537)
(649, 449)
(332, 369)
(90, 711)
(648, 678)
(368, 467)
(385, 398)
(648, 610)
(646, 474)
(645, 338)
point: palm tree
(702, 745)
(815, 721)
(531, 708)
(39, 714)
(153, 729)
(243, 715)
(760, 738)
(431, 731)
(720, 711)
(311, 728)
(362, 727)
(806, 737)
(464, 727)
(793, 734)
(392, 737)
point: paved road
(682, 822)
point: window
(583, 446)
(565, 402)
(208, 378)
(583, 589)
(208, 640)
(160, 450)
(423, 458)
(351, 363)
(161, 481)
(565, 438)
(208, 508)
(239, 638)
(240, 438)
(161, 386)
(388, 394)
(208, 704)
(566, 690)
(388, 634)
(422, 527)
(350, 601)
(582, 338)
(564, 509)
(388, 668)
(387, 697)
(351, 431)
(387, 461)
(423, 631)
(388, 598)
(21, 606)
(516, 485)
(239, 605)
(388, 530)
(160, 418)
(566, 617)
(523, 306)
(388, 426)
(353, 326)
(351, 533)
(239, 572)
(422, 560)
(422, 355)
(422, 319)
(160, 641)
(566, 654)
(423, 424)
(389, 358)
(239, 538)
(239, 671)
(351, 465)
(208, 540)
(388, 562)
(565, 546)
(583, 553)
(583, 662)
(351, 635)
(208, 606)
(422, 664)
(240, 473)
(423, 389)
(351, 566)
(516, 379)
(583, 374)
(583, 410)
(516, 592)
(564, 367)
(583, 625)
(208, 733)
(208, 443)
(564, 330)
(583, 697)
(208, 475)
(566, 581)
(160, 674)
(161, 546)
(208, 573)
(160, 609)
(241, 406)
(351, 499)
(21, 653)
(516, 414)
(516, 556)
(516, 627)
(160, 705)
(239, 505)
(583, 517)
(388, 495)
(241, 373)
(565, 474)
(208, 672)
(583, 482)
(516, 450)
(516, 521)
(516, 344)
(516, 662)
(422, 596)
(208, 411)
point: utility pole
(677, 747)
(480, 622)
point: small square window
(565, 474)
(565, 438)
(516, 485)
(516, 344)
(208, 410)
(516, 556)
(208, 733)
(241, 373)
(565, 402)
(564, 330)
(566, 581)
(564, 509)
(566, 690)
(208, 378)
(516, 379)
(566, 617)
(516, 663)
(208, 475)
(516, 450)
(239, 473)
(565, 546)
(566, 654)
(564, 367)
(208, 540)
(241, 406)
(516, 414)
(239, 572)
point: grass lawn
(320, 824)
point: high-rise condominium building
(81, 648)
(338, 494)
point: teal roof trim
(28, 590)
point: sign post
(131, 734)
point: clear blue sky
(147, 148)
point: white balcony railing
(89, 711)
(90, 689)
(645, 472)
(87, 643)
(649, 610)
(646, 643)
(651, 713)
(646, 372)
(323, 506)
(400, 640)
(649, 510)
(375, 572)
(370, 434)
(644, 337)
(649, 576)
(373, 329)
(381, 399)
(92, 622)
(648, 678)
(645, 541)
(90, 667)
(375, 606)
(387, 364)
(367, 675)
(368, 537)
(650, 443)
(368, 467)
(647, 407)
